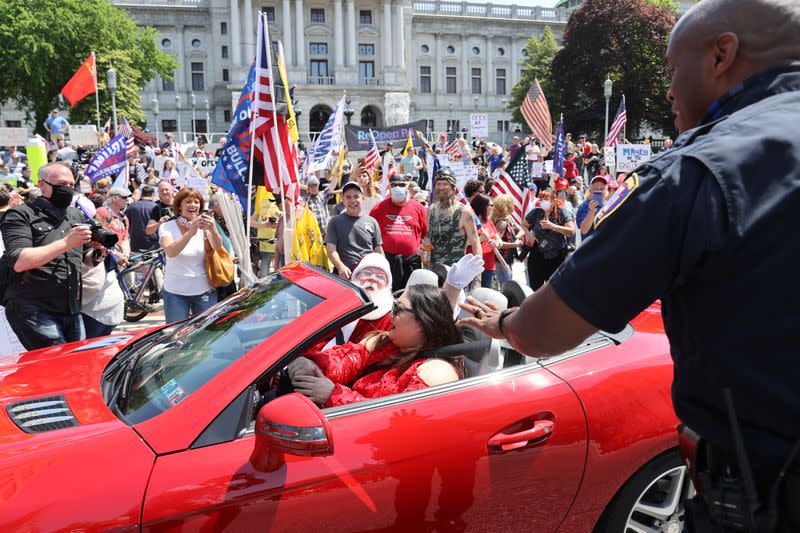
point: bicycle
(144, 264)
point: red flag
(82, 83)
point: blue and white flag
(231, 170)
(558, 151)
(329, 139)
(110, 160)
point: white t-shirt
(185, 274)
(532, 152)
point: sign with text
(548, 166)
(479, 125)
(444, 160)
(83, 135)
(357, 137)
(630, 156)
(13, 136)
(464, 173)
(610, 156)
(537, 167)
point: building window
(224, 52)
(13, 123)
(169, 125)
(451, 50)
(226, 116)
(366, 72)
(524, 52)
(196, 43)
(501, 51)
(319, 68)
(318, 49)
(424, 79)
(500, 81)
(425, 48)
(223, 28)
(201, 126)
(365, 16)
(166, 43)
(503, 126)
(168, 85)
(450, 80)
(453, 125)
(198, 84)
(366, 49)
(476, 81)
(476, 51)
(270, 13)
(226, 75)
(430, 125)
(274, 52)
(318, 15)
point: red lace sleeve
(341, 395)
(341, 364)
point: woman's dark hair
(441, 273)
(433, 312)
(480, 204)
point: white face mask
(545, 204)
(399, 194)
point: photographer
(46, 243)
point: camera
(100, 235)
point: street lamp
(111, 81)
(208, 117)
(193, 101)
(178, 113)
(155, 114)
(607, 93)
(348, 111)
(503, 125)
(450, 125)
(475, 99)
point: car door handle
(541, 430)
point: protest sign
(548, 166)
(199, 184)
(158, 162)
(13, 136)
(610, 156)
(357, 137)
(536, 168)
(479, 124)
(464, 173)
(83, 135)
(444, 160)
(630, 156)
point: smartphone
(272, 220)
(598, 197)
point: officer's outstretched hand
(485, 317)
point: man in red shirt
(403, 223)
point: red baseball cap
(604, 179)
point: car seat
(481, 362)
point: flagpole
(96, 96)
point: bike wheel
(134, 312)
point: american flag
(452, 148)
(266, 142)
(289, 156)
(126, 130)
(618, 125)
(515, 182)
(391, 170)
(373, 157)
(537, 114)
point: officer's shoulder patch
(617, 199)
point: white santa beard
(383, 300)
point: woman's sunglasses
(398, 308)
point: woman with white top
(187, 291)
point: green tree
(627, 41)
(540, 54)
(45, 41)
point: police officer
(702, 227)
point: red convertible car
(182, 428)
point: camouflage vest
(447, 240)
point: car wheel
(652, 499)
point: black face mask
(61, 196)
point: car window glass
(199, 349)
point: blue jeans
(265, 265)
(94, 328)
(487, 279)
(36, 327)
(502, 275)
(177, 307)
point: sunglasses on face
(398, 308)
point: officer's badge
(617, 199)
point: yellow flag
(291, 121)
(300, 245)
(409, 144)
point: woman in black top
(548, 227)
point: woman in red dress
(386, 363)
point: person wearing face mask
(46, 243)
(404, 223)
(548, 228)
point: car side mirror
(289, 424)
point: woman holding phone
(548, 228)
(595, 198)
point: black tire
(619, 511)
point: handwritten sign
(610, 155)
(630, 156)
(199, 184)
(479, 124)
(464, 173)
(158, 162)
(13, 136)
(444, 160)
(548, 166)
(84, 135)
(536, 168)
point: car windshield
(192, 353)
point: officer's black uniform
(710, 228)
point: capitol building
(398, 60)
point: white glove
(463, 272)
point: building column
(400, 49)
(386, 33)
(300, 29)
(287, 33)
(184, 66)
(490, 75)
(466, 75)
(512, 76)
(235, 32)
(338, 34)
(351, 34)
(440, 66)
(249, 32)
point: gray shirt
(354, 237)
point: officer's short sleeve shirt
(649, 239)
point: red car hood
(71, 372)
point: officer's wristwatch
(502, 317)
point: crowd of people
(423, 220)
